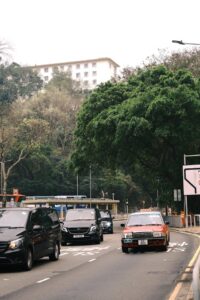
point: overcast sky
(127, 31)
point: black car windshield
(144, 219)
(105, 214)
(13, 218)
(80, 214)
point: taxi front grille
(143, 235)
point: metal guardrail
(196, 280)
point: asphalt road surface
(102, 272)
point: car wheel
(28, 264)
(63, 243)
(164, 247)
(124, 249)
(98, 240)
(55, 255)
(168, 239)
(102, 237)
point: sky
(127, 31)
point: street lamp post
(77, 185)
(90, 187)
(1, 177)
(180, 42)
(127, 207)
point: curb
(183, 289)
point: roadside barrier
(196, 280)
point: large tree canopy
(16, 81)
(149, 121)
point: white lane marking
(91, 260)
(79, 253)
(177, 247)
(68, 249)
(83, 251)
(6, 279)
(65, 253)
(183, 244)
(42, 280)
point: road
(97, 272)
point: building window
(55, 69)
(78, 66)
(46, 78)
(94, 64)
(85, 65)
(94, 73)
(85, 74)
(94, 82)
(85, 82)
(46, 70)
(77, 75)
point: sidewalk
(183, 290)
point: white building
(89, 72)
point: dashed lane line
(43, 280)
(91, 260)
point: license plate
(127, 240)
(76, 236)
(142, 242)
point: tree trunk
(4, 183)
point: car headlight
(108, 224)
(15, 244)
(93, 228)
(64, 229)
(127, 235)
(158, 234)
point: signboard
(191, 180)
(177, 195)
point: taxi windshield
(144, 219)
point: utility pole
(77, 185)
(90, 187)
(1, 177)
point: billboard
(191, 180)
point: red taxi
(145, 229)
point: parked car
(27, 234)
(82, 225)
(107, 221)
(145, 229)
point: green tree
(17, 134)
(57, 106)
(146, 124)
(188, 59)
